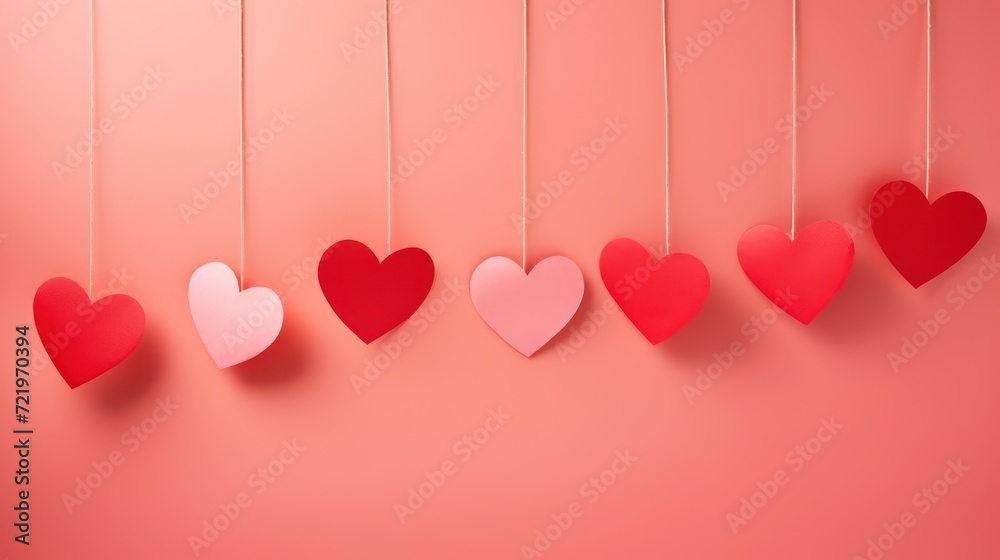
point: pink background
(322, 179)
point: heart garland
(527, 310)
(234, 325)
(659, 296)
(800, 273)
(921, 239)
(370, 297)
(84, 339)
(800, 276)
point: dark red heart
(801, 276)
(373, 298)
(84, 340)
(658, 296)
(921, 239)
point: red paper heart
(658, 296)
(921, 239)
(801, 276)
(84, 340)
(373, 298)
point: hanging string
(927, 154)
(666, 137)
(93, 110)
(242, 163)
(388, 136)
(524, 137)
(795, 95)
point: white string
(927, 155)
(242, 196)
(388, 136)
(666, 138)
(93, 95)
(795, 94)
(524, 138)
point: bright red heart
(921, 239)
(801, 276)
(658, 296)
(84, 340)
(373, 298)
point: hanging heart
(921, 239)
(801, 276)
(527, 310)
(85, 339)
(370, 297)
(658, 296)
(234, 326)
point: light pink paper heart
(235, 326)
(527, 310)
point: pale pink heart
(235, 326)
(527, 310)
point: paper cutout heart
(83, 339)
(801, 276)
(658, 296)
(373, 298)
(235, 326)
(527, 310)
(921, 239)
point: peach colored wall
(577, 403)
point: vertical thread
(524, 137)
(242, 162)
(388, 139)
(927, 153)
(795, 94)
(666, 137)
(90, 211)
